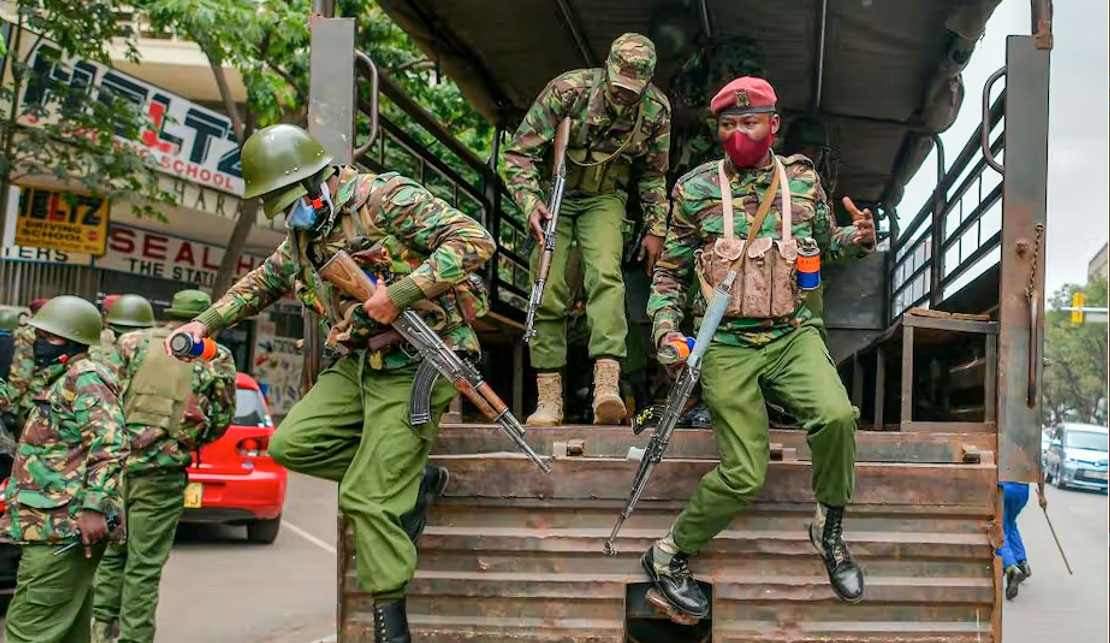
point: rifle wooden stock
(342, 271)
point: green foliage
(72, 134)
(1075, 374)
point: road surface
(218, 588)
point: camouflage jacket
(697, 222)
(394, 229)
(580, 94)
(207, 414)
(70, 456)
(23, 381)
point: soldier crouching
(65, 484)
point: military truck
(937, 335)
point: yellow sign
(1078, 301)
(61, 221)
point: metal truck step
(615, 441)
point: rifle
(667, 416)
(342, 271)
(550, 230)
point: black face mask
(47, 353)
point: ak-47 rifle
(550, 229)
(439, 359)
(665, 418)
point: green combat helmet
(275, 160)
(187, 304)
(132, 311)
(9, 320)
(71, 318)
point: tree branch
(288, 78)
(225, 93)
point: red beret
(745, 95)
(109, 301)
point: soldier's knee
(743, 483)
(838, 417)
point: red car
(233, 480)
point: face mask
(47, 353)
(744, 152)
(303, 216)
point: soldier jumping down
(353, 426)
(620, 126)
(768, 341)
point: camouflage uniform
(127, 580)
(784, 357)
(70, 458)
(593, 207)
(23, 381)
(353, 426)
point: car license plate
(1095, 475)
(194, 493)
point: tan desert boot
(608, 405)
(549, 407)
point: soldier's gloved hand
(650, 249)
(93, 528)
(194, 329)
(537, 219)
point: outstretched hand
(864, 223)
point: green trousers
(797, 372)
(598, 224)
(353, 427)
(127, 580)
(53, 597)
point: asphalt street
(218, 588)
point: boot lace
(680, 568)
(834, 540)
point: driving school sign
(61, 221)
(181, 138)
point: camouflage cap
(631, 62)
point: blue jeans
(1014, 497)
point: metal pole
(940, 202)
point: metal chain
(1038, 231)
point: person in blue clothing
(1014, 562)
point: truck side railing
(475, 189)
(962, 217)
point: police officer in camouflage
(66, 479)
(171, 409)
(126, 313)
(353, 426)
(768, 342)
(21, 377)
(620, 127)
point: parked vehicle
(1077, 457)
(233, 480)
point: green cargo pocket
(48, 596)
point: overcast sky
(1078, 184)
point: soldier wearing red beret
(774, 227)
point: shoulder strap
(760, 214)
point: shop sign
(62, 221)
(157, 254)
(181, 138)
(276, 366)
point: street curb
(327, 639)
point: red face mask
(744, 152)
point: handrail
(361, 57)
(984, 128)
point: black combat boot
(1023, 565)
(391, 624)
(826, 533)
(675, 582)
(1014, 577)
(431, 487)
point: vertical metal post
(1024, 199)
(880, 387)
(331, 93)
(907, 375)
(940, 203)
(518, 379)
